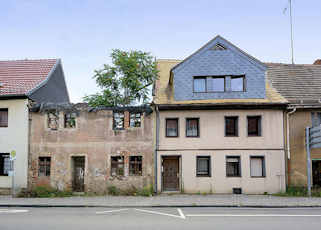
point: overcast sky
(83, 32)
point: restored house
(219, 124)
(23, 82)
(83, 149)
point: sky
(82, 33)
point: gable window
(203, 166)
(257, 166)
(5, 164)
(118, 120)
(237, 83)
(44, 166)
(53, 120)
(117, 166)
(3, 117)
(135, 119)
(233, 166)
(216, 84)
(192, 127)
(199, 84)
(231, 126)
(254, 126)
(135, 165)
(172, 127)
(70, 120)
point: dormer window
(199, 84)
(237, 83)
(216, 84)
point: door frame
(72, 169)
(179, 158)
(318, 160)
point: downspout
(288, 141)
(156, 148)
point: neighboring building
(83, 149)
(301, 86)
(23, 82)
(220, 125)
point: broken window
(70, 120)
(135, 165)
(203, 166)
(117, 166)
(135, 119)
(53, 120)
(118, 120)
(3, 117)
(44, 166)
(4, 164)
(233, 166)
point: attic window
(218, 46)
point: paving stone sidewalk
(164, 201)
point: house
(300, 84)
(219, 124)
(23, 82)
(78, 148)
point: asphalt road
(159, 218)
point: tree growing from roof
(127, 81)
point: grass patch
(45, 191)
(300, 192)
(131, 191)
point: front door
(78, 174)
(170, 173)
(316, 173)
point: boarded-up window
(3, 117)
(192, 127)
(4, 164)
(254, 125)
(117, 166)
(203, 166)
(44, 166)
(53, 120)
(233, 166)
(257, 166)
(135, 119)
(118, 120)
(199, 84)
(70, 120)
(231, 126)
(171, 127)
(135, 165)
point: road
(159, 218)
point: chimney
(317, 62)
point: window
(231, 126)
(216, 84)
(118, 120)
(53, 120)
(199, 84)
(316, 118)
(192, 127)
(254, 126)
(233, 166)
(135, 165)
(203, 166)
(135, 119)
(44, 166)
(5, 164)
(3, 117)
(257, 166)
(70, 120)
(237, 83)
(117, 166)
(172, 127)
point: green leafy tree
(127, 81)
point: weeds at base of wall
(132, 191)
(299, 192)
(44, 191)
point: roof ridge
(28, 59)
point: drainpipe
(156, 147)
(288, 140)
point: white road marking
(250, 215)
(12, 211)
(118, 210)
(181, 216)
(181, 213)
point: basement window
(135, 165)
(135, 119)
(70, 120)
(119, 120)
(117, 166)
(4, 164)
(44, 166)
(4, 118)
(53, 120)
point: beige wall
(15, 137)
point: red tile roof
(19, 77)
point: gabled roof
(23, 77)
(298, 83)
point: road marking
(118, 210)
(181, 215)
(12, 211)
(250, 215)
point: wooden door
(78, 174)
(170, 174)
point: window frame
(6, 111)
(198, 126)
(114, 123)
(45, 165)
(130, 119)
(135, 163)
(236, 126)
(239, 166)
(200, 77)
(118, 163)
(177, 121)
(209, 174)
(3, 156)
(259, 125)
(244, 83)
(70, 117)
(263, 165)
(217, 77)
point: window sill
(258, 176)
(171, 136)
(193, 136)
(233, 176)
(203, 176)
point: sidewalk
(164, 201)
